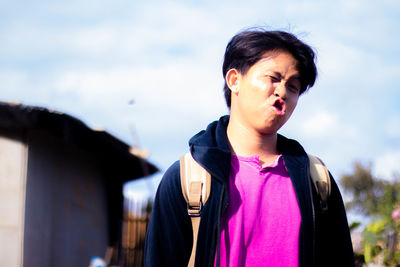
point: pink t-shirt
(261, 225)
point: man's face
(264, 98)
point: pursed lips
(279, 106)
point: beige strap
(195, 182)
(195, 226)
(321, 179)
(196, 186)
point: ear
(233, 80)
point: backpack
(196, 188)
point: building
(61, 183)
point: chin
(270, 128)
(269, 131)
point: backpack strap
(321, 180)
(196, 186)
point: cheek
(292, 104)
(260, 85)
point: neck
(248, 142)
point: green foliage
(376, 227)
(354, 225)
(365, 189)
(377, 199)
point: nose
(280, 90)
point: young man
(263, 210)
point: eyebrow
(296, 76)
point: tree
(379, 200)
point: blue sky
(155, 67)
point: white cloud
(12, 80)
(93, 40)
(174, 85)
(387, 164)
(165, 97)
(320, 124)
(392, 128)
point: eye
(273, 78)
(294, 87)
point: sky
(149, 72)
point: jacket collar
(211, 149)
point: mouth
(279, 106)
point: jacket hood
(211, 148)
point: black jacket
(324, 237)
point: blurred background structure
(61, 194)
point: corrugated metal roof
(115, 153)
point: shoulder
(290, 146)
(170, 184)
(169, 200)
(169, 223)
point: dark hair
(248, 47)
